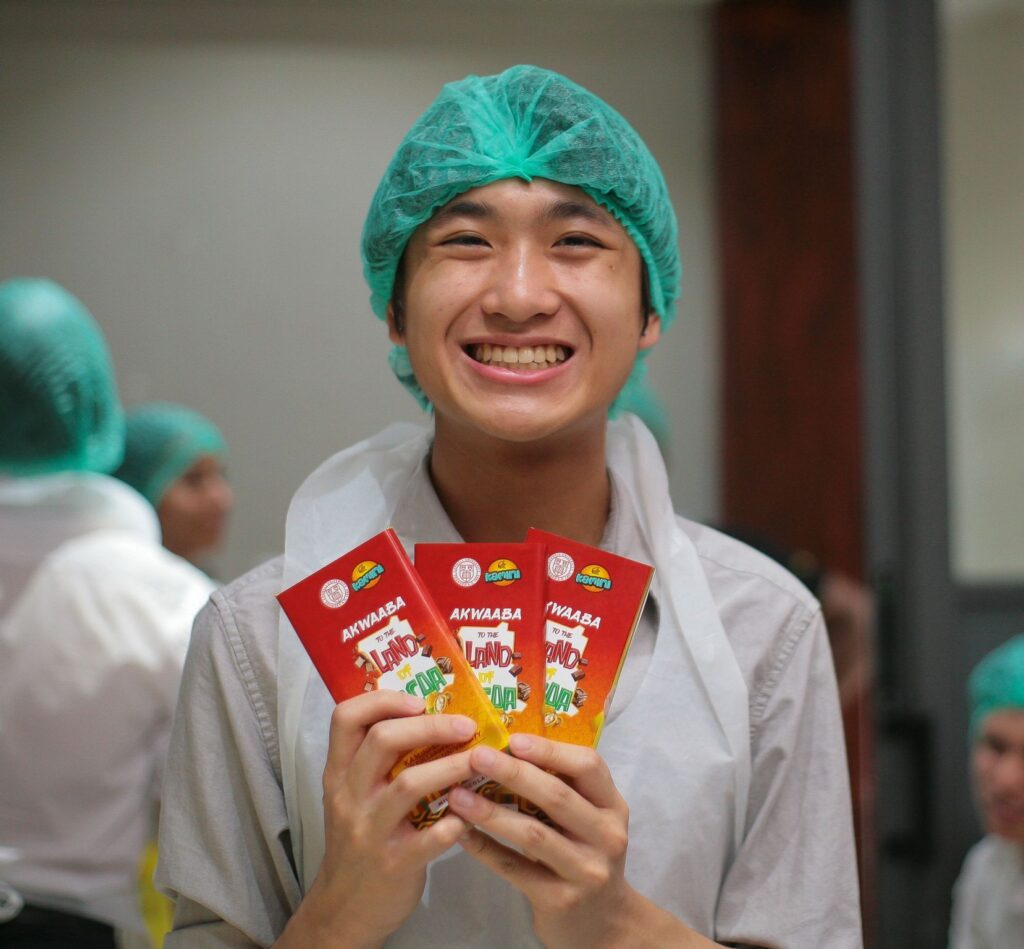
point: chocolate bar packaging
(368, 622)
(593, 602)
(493, 598)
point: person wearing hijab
(988, 899)
(523, 253)
(94, 622)
(174, 457)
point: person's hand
(374, 866)
(572, 874)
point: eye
(578, 240)
(994, 744)
(465, 240)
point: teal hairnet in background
(163, 441)
(59, 409)
(997, 682)
(525, 123)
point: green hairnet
(59, 409)
(525, 123)
(163, 441)
(646, 406)
(997, 682)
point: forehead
(1006, 724)
(513, 197)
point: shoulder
(984, 892)
(121, 558)
(990, 855)
(246, 608)
(768, 614)
(732, 565)
(121, 581)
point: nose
(219, 494)
(522, 285)
(1008, 774)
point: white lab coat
(94, 621)
(988, 898)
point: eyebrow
(556, 211)
(565, 210)
(464, 208)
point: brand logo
(560, 567)
(466, 572)
(366, 575)
(594, 578)
(502, 573)
(334, 593)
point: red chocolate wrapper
(368, 622)
(594, 601)
(493, 598)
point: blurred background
(846, 378)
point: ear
(393, 332)
(652, 332)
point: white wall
(198, 175)
(984, 79)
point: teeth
(526, 357)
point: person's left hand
(572, 874)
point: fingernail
(485, 756)
(462, 798)
(414, 702)
(462, 726)
(520, 743)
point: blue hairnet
(525, 123)
(997, 682)
(163, 441)
(59, 409)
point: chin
(528, 431)
(1012, 830)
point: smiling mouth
(518, 357)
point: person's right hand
(374, 866)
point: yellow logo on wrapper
(366, 575)
(502, 573)
(594, 578)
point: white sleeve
(794, 880)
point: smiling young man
(523, 251)
(988, 901)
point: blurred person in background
(174, 457)
(988, 899)
(94, 622)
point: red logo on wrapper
(387, 633)
(586, 636)
(333, 593)
(466, 572)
